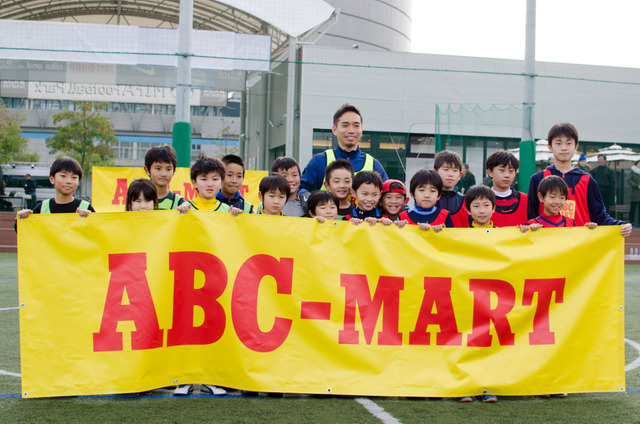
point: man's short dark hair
(233, 159)
(66, 164)
(344, 109)
(447, 157)
(161, 154)
(274, 182)
(425, 177)
(562, 129)
(284, 163)
(551, 184)
(600, 155)
(502, 158)
(367, 177)
(337, 164)
(479, 191)
(205, 165)
(320, 197)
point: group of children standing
(559, 196)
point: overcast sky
(593, 32)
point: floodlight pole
(182, 125)
(527, 142)
(291, 98)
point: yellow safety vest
(331, 157)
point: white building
(360, 56)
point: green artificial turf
(161, 407)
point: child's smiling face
(392, 203)
(368, 196)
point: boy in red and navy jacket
(511, 205)
(584, 201)
(552, 194)
(426, 187)
(448, 165)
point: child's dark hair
(447, 157)
(551, 184)
(66, 164)
(162, 154)
(285, 163)
(479, 191)
(367, 177)
(320, 197)
(142, 186)
(424, 177)
(344, 109)
(205, 165)
(337, 164)
(274, 182)
(502, 158)
(233, 159)
(562, 129)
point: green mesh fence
(476, 131)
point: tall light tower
(527, 141)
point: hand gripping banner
(127, 302)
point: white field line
(635, 364)
(12, 374)
(377, 411)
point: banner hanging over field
(127, 302)
(110, 184)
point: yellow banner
(110, 184)
(118, 303)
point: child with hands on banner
(480, 202)
(206, 176)
(232, 183)
(511, 205)
(394, 199)
(338, 178)
(160, 164)
(552, 194)
(141, 196)
(323, 205)
(425, 187)
(368, 187)
(65, 174)
(584, 202)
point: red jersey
(440, 219)
(553, 221)
(511, 210)
(576, 206)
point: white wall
(398, 92)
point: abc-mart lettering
(128, 273)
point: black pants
(31, 203)
(632, 212)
